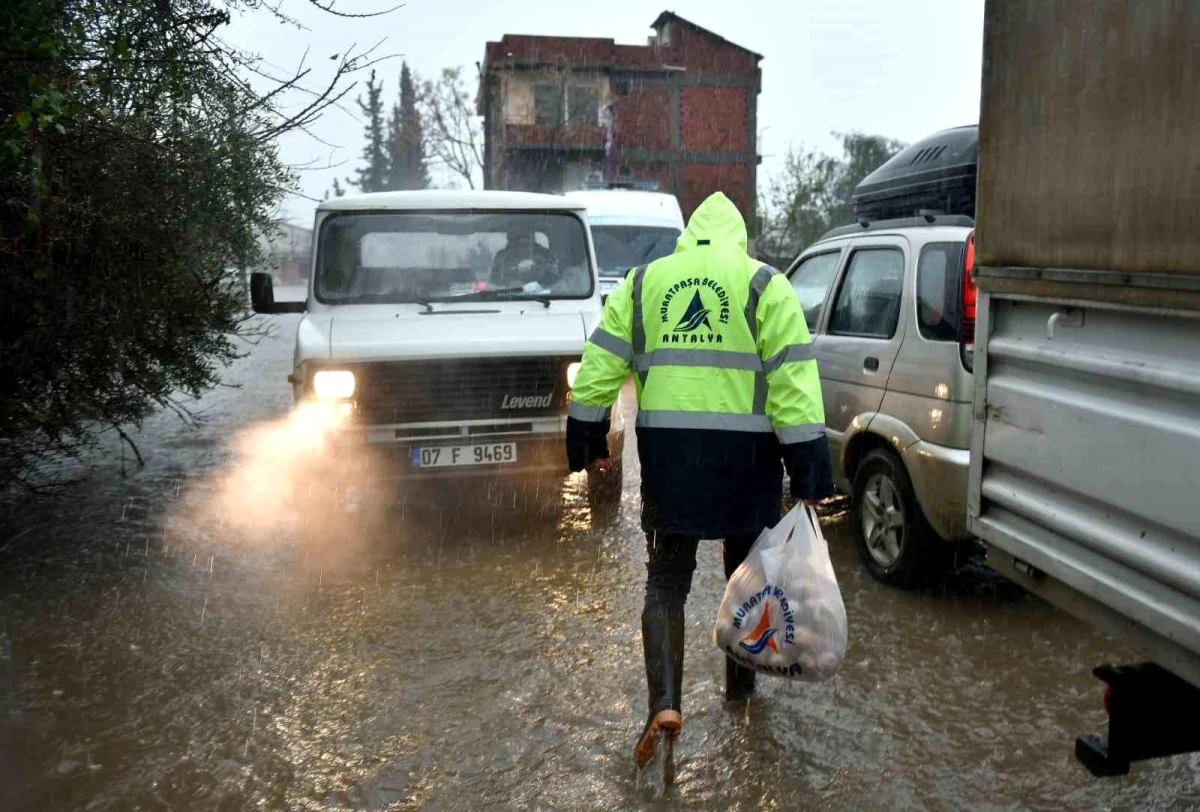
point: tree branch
(329, 8)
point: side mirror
(262, 296)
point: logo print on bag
(769, 592)
(695, 315)
(763, 635)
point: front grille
(418, 433)
(500, 428)
(460, 389)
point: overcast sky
(900, 68)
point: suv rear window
(939, 280)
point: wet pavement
(471, 647)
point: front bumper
(543, 456)
(540, 446)
(939, 478)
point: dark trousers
(670, 562)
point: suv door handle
(871, 364)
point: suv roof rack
(935, 174)
(923, 221)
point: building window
(584, 106)
(547, 105)
(620, 87)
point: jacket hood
(718, 221)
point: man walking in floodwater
(726, 387)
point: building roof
(526, 49)
(670, 16)
(452, 200)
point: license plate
(451, 456)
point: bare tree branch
(451, 126)
(126, 440)
(329, 8)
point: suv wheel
(893, 538)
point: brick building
(678, 113)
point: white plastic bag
(782, 612)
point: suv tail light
(969, 294)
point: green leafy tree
(797, 204)
(139, 172)
(814, 192)
(862, 155)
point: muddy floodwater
(464, 647)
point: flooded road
(472, 648)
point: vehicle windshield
(422, 257)
(619, 248)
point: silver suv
(891, 308)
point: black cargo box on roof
(936, 175)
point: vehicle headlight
(572, 371)
(334, 383)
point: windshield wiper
(505, 293)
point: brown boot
(668, 722)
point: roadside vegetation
(812, 193)
(138, 172)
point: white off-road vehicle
(449, 327)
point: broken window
(547, 105)
(584, 106)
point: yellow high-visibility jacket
(725, 378)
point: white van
(450, 325)
(630, 228)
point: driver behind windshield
(522, 260)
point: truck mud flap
(1151, 714)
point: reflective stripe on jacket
(717, 342)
